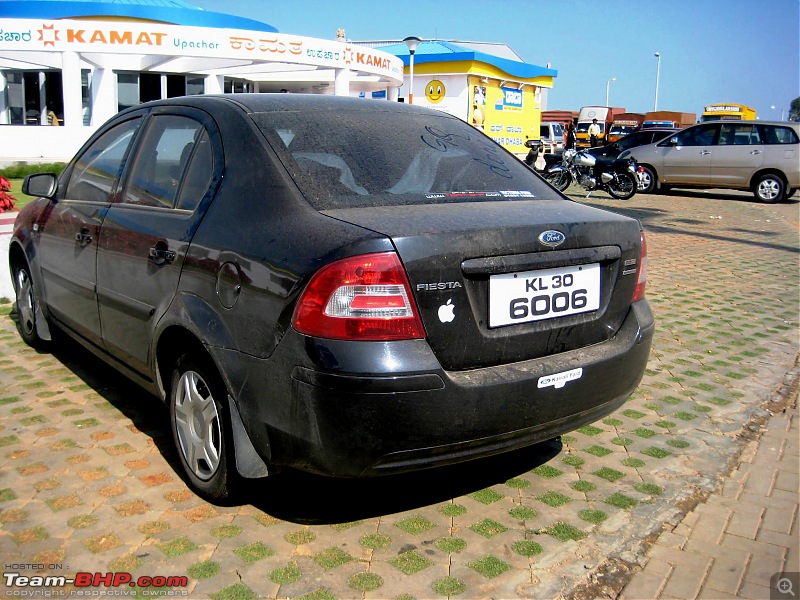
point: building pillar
(341, 85)
(392, 93)
(215, 84)
(3, 104)
(104, 96)
(71, 89)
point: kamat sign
(170, 40)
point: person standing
(594, 133)
(569, 136)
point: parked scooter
(619, 176)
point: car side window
(739, 135)
(775, 134)
(198, 175)
(161, 161)
(702, 135)
(96, 171)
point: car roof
(275, 102)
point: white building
(76, 63)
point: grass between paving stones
(298, 538)
(226, 531)
(523, 512)
(648, 488)
(332, 558)
(582, 486)
(593, 516)
(554, 499)
(547, 471)
(176, 547)
(518, 483)
(286, 575)
(237, 591)
(203, 570)
(608, 474)
(452, 510)
(527, 548)
(410, 562)
(448, 586)
(451, 544)
(486, 496)
(564, 532)
(489, 566)
(415, 525)
(620, 500)
(375, 541)
(253, 552)
(365, 582)
(488, 528)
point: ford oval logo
(552, 238)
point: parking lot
(89, 481)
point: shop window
(133, 88)
(34, 98)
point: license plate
(546, 294)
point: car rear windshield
(351, 159)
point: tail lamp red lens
(365, 297)
(641, 274)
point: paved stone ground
(89, 482)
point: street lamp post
(773, 108)
(412, 43)
(658, 74)
(608, 85)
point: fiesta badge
(552, 238)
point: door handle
(83, 237)
(161, 254)
(754, 152)
(705, 152)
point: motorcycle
(619, 176)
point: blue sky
(712, 51)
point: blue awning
(439, 51)
(173, 12)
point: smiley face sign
(434, 91)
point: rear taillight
(641, 273)
(364, 297)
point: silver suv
(760, 156)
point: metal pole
(658, 74)
(608, 85)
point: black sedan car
(348, 287)
(638, 138)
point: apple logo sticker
(447, 312)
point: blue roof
(173, 12)
(439, 51)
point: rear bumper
(370, 408)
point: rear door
(146, 234)
(689, 160)
(69, 238)
(738, 154)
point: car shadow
(310, 499)
(297, 496)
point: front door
(145, 236)
(689, 160)
(69, 234)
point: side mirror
(673, 141)
(42, 185)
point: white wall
(40, 143)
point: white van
(552, 136)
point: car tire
(648, 180)
(769, 189)
(789, 193)
(201, 428)
(27, 306)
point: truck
(668, 118)
(624, 124)
(605, 116)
